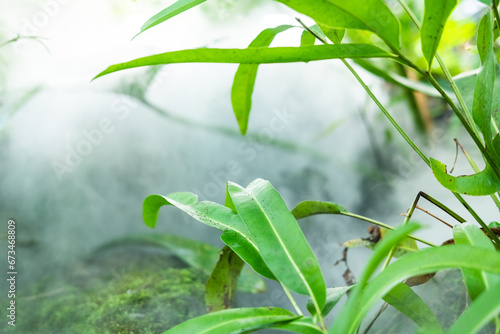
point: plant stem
(294, 303)
(378, 223)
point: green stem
(378, 223)
(294, 303)
(494, 7)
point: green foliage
(259, 229)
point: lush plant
(259, 229)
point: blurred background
(78, 157)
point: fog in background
(185, 138)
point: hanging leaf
(238, 319)
(436, 14)
(244, 79)
(261, 55)
(372, 15)
(221, 285)
(279, 239)
(480, 184)
(169, 12)
(485, 83)
(307, 39)
(406, 301)
(310, 208)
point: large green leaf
(333, 296)
(479, 184)
(406, 301)
(238, 319)
(221, 285)
(476, 281)
(484, 309)
(372, 15)
(244, 79)
(436, 14)
(279, 239)
(211, 214)
(425, 261)
(485, 83)
(261, 55)
(169, 12)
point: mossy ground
(123, 292)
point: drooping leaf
(221, 285)
(484, 309)
(406, 301)
(311, 208)
(304, 325)
(334, 35)
(425, 261)
(279, 239)
(244, 79)
(194, 253)
(211, 214)
(177, 8)
(333, 296)
(485, 83)
(479, 184)
(238, 319)
(477, 281)
(436, 14)
(407, 245)
(372, 15)
(261, 55)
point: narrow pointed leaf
(211, 214)
(485, 83)
(307, 39)
(175, 9)
(304, 325)
(311, 208)
(484, 309)
(479, 184)
(477, 281)
(221, 285)
(436, 14)
(244, 79)
(279, 239)
(372, 15)
(406, 301)
(260, 55)
(238, 319)
(333, 296)
(425, 261)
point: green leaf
(221, 285)
(261, 55)
(311, 208)
(476, 281)
(279, 239)
(211, 214)
(436, 13)
(304, 325)
(425, 261)
(334, 35)
(244, 79)
(479, 184)
(194, 253)
(247, 251)
(485, 83)
(484, 309)
(307, 39)
(169, 12)
(406, 301)
(238, 319)
(372, 15)
(333, 296)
